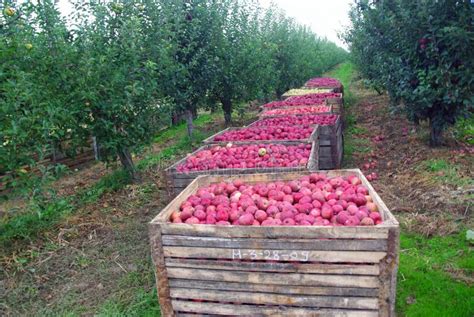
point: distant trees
(118, 71)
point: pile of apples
(311, 98)
(305, 91)
(282, 132)
(296, 110)
(247, 156)
(320, 119)
(312, 200)
(290, 102)
(323, 82)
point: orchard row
(118, 72)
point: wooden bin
(274, 271)
(316, 90)
(339, 89)
(210, 140)
(330, 111)
(337, 106)
(331, 145)
(177, 181)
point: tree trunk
(227, 108)
(127, 163)
(177, 118)
(436, 133)
(195, 113)
(57, 152)
(189, 122)
(96, 148)
(279, 93)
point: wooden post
(161, 276)
(388, 274)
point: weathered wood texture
(177, 181)
(331, 145)
(337, 106)
(274, 271)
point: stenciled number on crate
(275, 255)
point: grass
(464, 130)
(29, 224)
(443, 172)
(426, 286)
(345, 73)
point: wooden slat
(296, 244)
(277, 289)
(256, 311)
(293, 267)
(280, 255)
(377, 232)
(303, 232)
(276, 299)
(275, 278)
(161, 276)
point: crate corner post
(161, 275)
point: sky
(325, 17)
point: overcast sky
(325, 17)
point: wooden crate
(337, 107)
(177, 181)
(274, 271)
(210, 140)
(331, 145)
(305, 91)
(339, 89)
(330, 111)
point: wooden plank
(388, 274)
(275, 278)
(297, 244)
(276, 299)
(161, 277)
(279, 232)
(277, 289)
(279, 255)
(293, 267)
(257, 311)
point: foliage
(421, 52)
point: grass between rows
(28, 224)
(435, 274)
